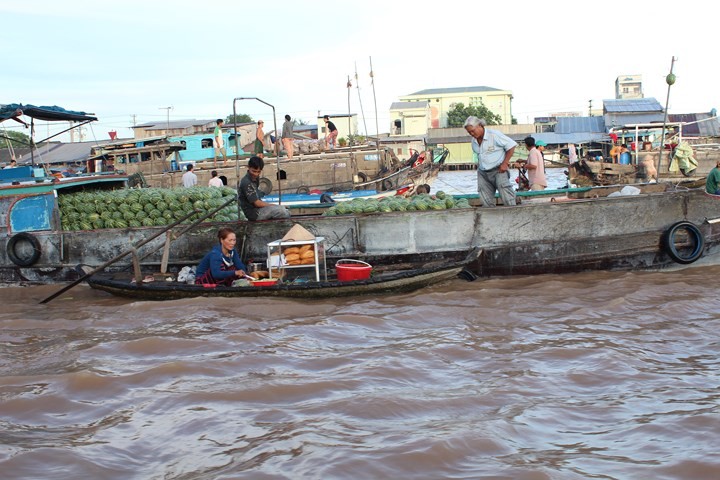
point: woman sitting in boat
(222, 265)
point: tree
(458, 113)
(16, 139)
(300, 121)
(241, 118)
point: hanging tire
(362, 177)
(23, 249)
(387, 184)
(266, 185)
(303, 190)
(695, 241)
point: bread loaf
(307, 261)
(292, 257)
(305, 248)
(307, 254)
(291, 250)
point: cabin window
(206, 143)
(231, 141)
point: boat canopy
(50, 114)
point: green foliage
(241, 118)
(458, 113)
(16, 139)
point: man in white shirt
(189, 178)
(215, 181)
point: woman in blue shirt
(222, 265)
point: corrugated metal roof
(706, 126)
(65, 153)
(580, 124)
(408, 105)
(634, 105)
(160, 124)
(434, 91)
(564, 138)
(619, 120)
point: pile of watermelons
(439, 201)
(145, 207)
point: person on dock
(219, 143)
(288, 136)
(331, 133)
(259, 148)
(215, 181)
(712, 185)
(189, 178)
(494, 150)
(535, 165)
(250, 195)
(12, 164)
(222, 265)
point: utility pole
(167, 131)
(134, 119)
(590, 108)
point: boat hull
(613, 233)
(405, 281)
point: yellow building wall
(498, 101)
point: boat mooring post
(670, 80)
(237, 146)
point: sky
(128, 61)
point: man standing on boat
(331, 133)
(215, 181)
(494, 151)
(535, 166)
(287, 136)
(219, 143)
(259, 148)
(250, 196)
(189, 178)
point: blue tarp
(53, 113)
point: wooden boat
(388, 281)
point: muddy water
(593, 375)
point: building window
(476, 101)
(399, 151)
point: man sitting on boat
(712, 185)
(250, 195)
(222, 265)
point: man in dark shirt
(331, 133)
(250, 195)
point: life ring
(303, 190)
(387, 184)
(694, 235)
(20, 257)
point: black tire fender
(694, 235)
(12, 250)
(303, 190)
(387, 184)
(362, 177)
(265, 185)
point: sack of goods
(302, 255)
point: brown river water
(592, 375)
